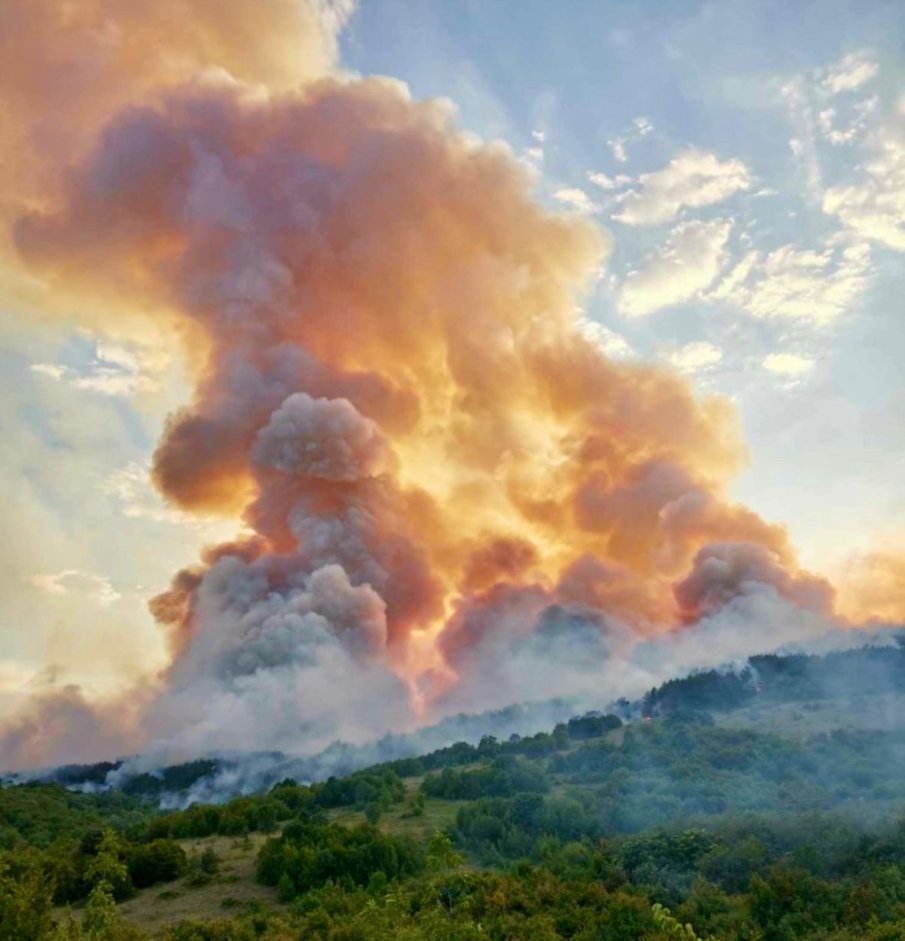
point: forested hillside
(697, 812)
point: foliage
(310, 853)
(675, 826)
(157, 861)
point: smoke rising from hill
(452, 493)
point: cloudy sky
(747, 159)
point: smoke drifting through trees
(455, 498)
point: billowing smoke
(450, 496)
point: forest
(700, 817)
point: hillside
(768, 805)
(795, 693)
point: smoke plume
(440, 479)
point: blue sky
(791, 99)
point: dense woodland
(678, 824)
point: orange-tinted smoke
(392, 379)
(873, 587)
(66, 67)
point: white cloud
(874, 204)
(609, 182)
(788, 364)
(692, 179)
(640, 127)
(797, 284)
(849, 73)
(693, 357)
(576, 199)
(797, 95)
(618, 149)
(688, 263)
(114, 370)
(807, 98)
(613, 344)
(838, 134)
(72, 581)
(533, 156)
(49, 369)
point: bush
(158, 861)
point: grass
(398, 820)
(155, 908)
(235, 885)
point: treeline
(841, 675)
(42, 814)
(542, 744)
(379, 788)
(173, 779)
(501, 777)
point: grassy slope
(155, 908)
(235, 884)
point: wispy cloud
(533, 156)
(692, 179)
(640, 127)
(576, 199)
(813, 102)
(114, 370)
(609, 182)
(849, 73)
(798, 97)
(688, 263)
(873, 203)
(788, 364)
(800, 284)
(695, 357)
(840, 133)
(73, 581)
(612, 343)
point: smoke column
(435, 472)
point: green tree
(25, 904)
(209, 862)
(372, 813)
(158, 861)
(107, 866)
(101, 921)
(672, 927)
(441, 854)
